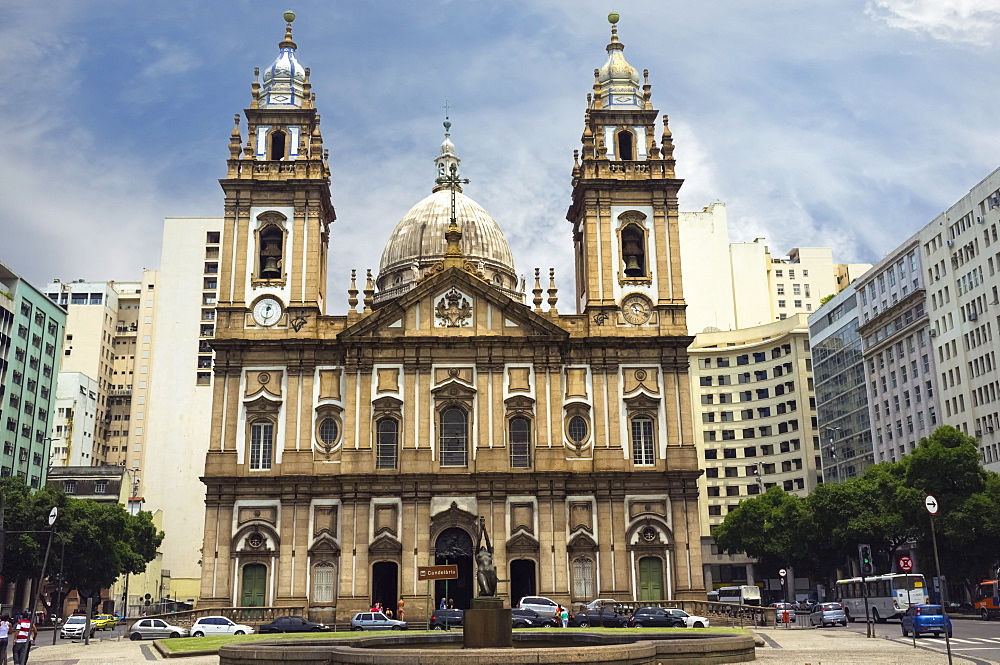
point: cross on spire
(447, 108)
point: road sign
(931, 504)
(782, 572)
(905, 564)
(437, 572)
(52, 515)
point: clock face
(636, 309)
(267, 311)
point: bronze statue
(486, 573)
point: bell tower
(624, 209)
(277, 208)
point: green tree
(769, 528)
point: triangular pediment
(385, 544)
(325, 544)
(522, 543)
(441, 303)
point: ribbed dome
(418, 240)
(283, 80)
(618, 80)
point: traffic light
(865, 557)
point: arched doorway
(650, 578)
(385, 579)
(254, 585)
(454, 546)
(522, 580)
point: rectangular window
(642, 441)
(454, 438)
(386, 443)
(520, 442)
(101, 487)
(323, 575)
(261, 444)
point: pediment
(522, 543)
(582, 542)
(385, 544)
(518, 319)
(325, 544)
(454, 390)
(519, 403)
(642, 401)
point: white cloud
(975, 22)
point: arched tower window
(454, 437)
(279, 140)
(633, 251)
(387, 443)
(261, 444)
(626, 145)
(270, 241)
(642, 441)
(519, 434)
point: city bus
(746, 594)
(988, 599)
(889, 596)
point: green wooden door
(650, 578)
(254, 585)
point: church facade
(348, 451)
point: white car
(601, 603)
(544, 606)
(218, 626)
(690, 620)
(75, 627)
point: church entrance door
(650, 578)
(385, 577)
(522, 580)
(254, 585)
(454, 546)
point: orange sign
(437, 572)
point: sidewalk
(814, 647)
(106, 652)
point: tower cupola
(284, 81)
(618, 81)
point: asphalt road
(972, 638)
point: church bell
(269, 256)
(632, 268)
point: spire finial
(289, 16)
(352, 293)
(613, 18)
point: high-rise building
(346, 451)
(841, 388)
(31, 333)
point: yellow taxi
(104, 622)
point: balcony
(120, 392)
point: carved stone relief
(388, 380)
(266, 514)
(329, 384)
(453, 310)
(576, 383)
(643, 377)
(324, 519)
(519, 379)
(522, 517)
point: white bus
(741, 595)
(889, 596)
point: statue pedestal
(487, 624)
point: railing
(732, 613)
(252, 616)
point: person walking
(24, 637)
(4, 636)
(564, 616)
(400, 608)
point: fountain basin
(530, 648)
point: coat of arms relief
(453, 310)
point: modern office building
(841, 388)
(31, 333)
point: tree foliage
(884, 507)
(101, 541)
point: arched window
(642, 441)
(270, 241)
(626, 147)
(261, 444)
(454, 437)
(323, 579)
(519, 435)
(633, 251)
(278, 142)
(583, 577)
(387, 443)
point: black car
(292, 625)
(605, 617)
(445, 619)
(655, 617)
(531, 619)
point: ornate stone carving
(453, 310)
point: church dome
(618, 81)
(418, 242)
(284, 79)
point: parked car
(606, 617)
(531, 619)
(375, 621)
(541, 604)
(826, 614)
(446, 619)
(218, 626)
(690, 620)
(925, 619)
(783, 606)
(154, 629)
(654, 617)
(599, 603)
(292, 625)
(75, 626)
(104, 622)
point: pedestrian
(451, 603)
(564, 616)
(388, 614)
(444, 604)
(399, 609)
(25, 634)
(4, 635)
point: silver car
(544, 606)
(375, 621)
(155, 629)
(828, 614)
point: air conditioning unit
(973, 316)
(979, 220)
(933, 333)
(951, 243)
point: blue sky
(848, 123)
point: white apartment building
(732, 285)
(75, 423)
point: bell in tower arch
(633, 253)
(270, 253)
